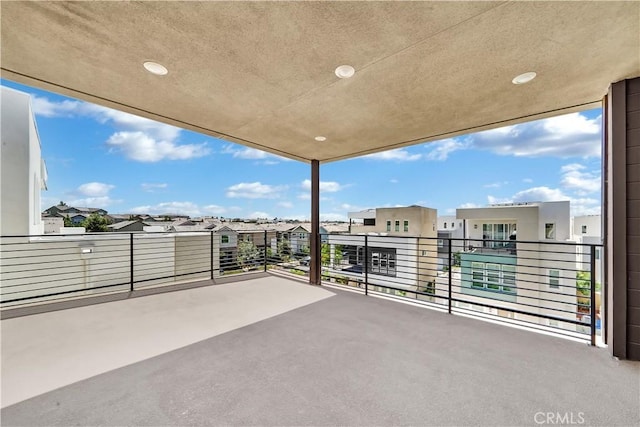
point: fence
(549, 286)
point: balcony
(256, 347)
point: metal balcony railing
(549, 286)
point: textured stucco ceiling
(262, 73)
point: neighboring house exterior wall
(534, 273)
(402, 241)
(587, 225)
(299, 240)
(23, 172)
(52, 224)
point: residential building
(451, 231)
(127, 226)
(401, 247)
(23, 173)
(537, 270)
(64, 210)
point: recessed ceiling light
(155, 68)
(524, 78)
(345, 71)
(320, 138)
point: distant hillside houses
(296, 232)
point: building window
(441, 243)
(509, 278)
(397, 228)
(549, 231)
(493, 277)
(382, 261)
(406, 226)
(584, 229)
(453, 225)
(388, 225)
(499, 233)
(369, 221)
(445, 225)
(477, 275)
(225, 239)
(554, 279)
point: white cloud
(214, 210)
(585, 206)
(249, 153)
(394, 181)
(496, 184)
(45, 108)
(255, 190)
(351, 208)
(539, 194)
(469, 206)
(92, 202)
(150, 187)
(579, 205)
(138, 138)
(142, 147)
(95, 189)
(527, 180)
(333, 217)
(398, 155)
(440, 150)
(286, 205)
(304, 196)
(92, 195)
(259, 215)
(575, 178)
(570, 135)
(182, 208)
(325, 186)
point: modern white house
(520, 257)
(23, 172)
(401, 244)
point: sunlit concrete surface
(344, 360)
(46, 351)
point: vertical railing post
(211, 251)
(592, 298)
(366, 265)
(450, 273)
(131, 261)
(265, 251)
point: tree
(95, 223)
(62, 203)
(284, 250)
(248, 254)
(325, 254)
(456, 259)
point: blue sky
(97, 157)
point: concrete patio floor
(271, 351)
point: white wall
(593, 224)
(50, 264)
(22, 170)
(557, 213)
